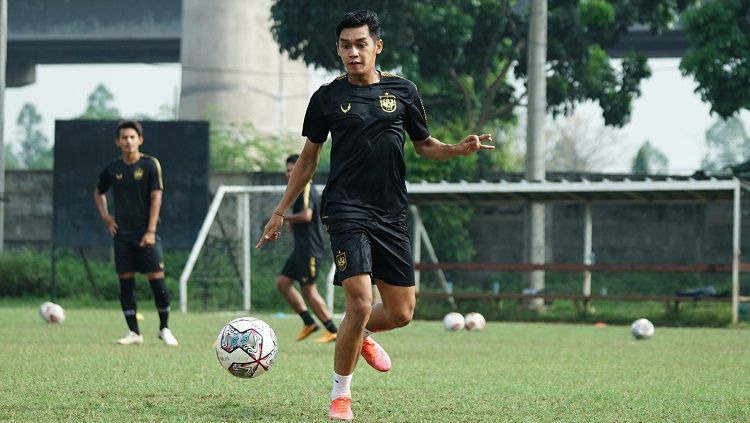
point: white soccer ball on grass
(642, 329)
(453, 321)
(475, 321)
(246, 347)
(51, 312)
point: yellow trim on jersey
(392, 74)
(306, 196)
(158, 171)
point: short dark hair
(292, 159)
(358, 18)
(129, 124)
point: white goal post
(244, 220)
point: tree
(239, 147)
(11, 159)
(36, 153)
(727, 144)
(649, 160)
(719, 52)
(580, 144)
(99, 105)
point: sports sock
(305, 315)
(330, 327)
(161, 299)
(128, 304)
(341, 386)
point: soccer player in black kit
(136, 182)
(364, 203)
(304, 262)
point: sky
(668, 114)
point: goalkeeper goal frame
(244, 191)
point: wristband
(151, 232)
(281, 215)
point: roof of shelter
(590, 188)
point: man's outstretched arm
(433, 148)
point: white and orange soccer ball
(247, 347)
(51, 312)
(453, 321)
(475, 321)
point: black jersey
(308, 238)
(367, 177)
(131, 192)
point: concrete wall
(635, 233)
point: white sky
(668, 113)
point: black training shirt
(131, 192)
(367, 177)
(308, 239)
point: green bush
(24, 273)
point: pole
(587, 248)
(535, 142)
(736, 255)
(246, 251)
(3, 61)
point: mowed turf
(510, 372)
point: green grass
(510, 372)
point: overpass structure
(146, 31)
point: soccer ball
(453, 321)
(642, 329)
(52, 313)
(475, 321)
(247, 347)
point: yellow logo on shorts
(388, 102)
(341, 261)
(138, 174)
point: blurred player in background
(304, 262)
(364, 204)
(137, 185)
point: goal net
(224, 271)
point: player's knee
(358, 308)
(282, 284)
(401, 317)
(309, 291)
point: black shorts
(379, 249)
(131, 257)
(302, 268)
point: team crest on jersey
(138, 174)
(341, 261)
(347, 108)
(118, 176)
(388, 102)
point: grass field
(510, 372)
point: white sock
(341, 386)
(368, 332)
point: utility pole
(535, 142)
(3, 60)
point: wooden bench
(580, 301)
